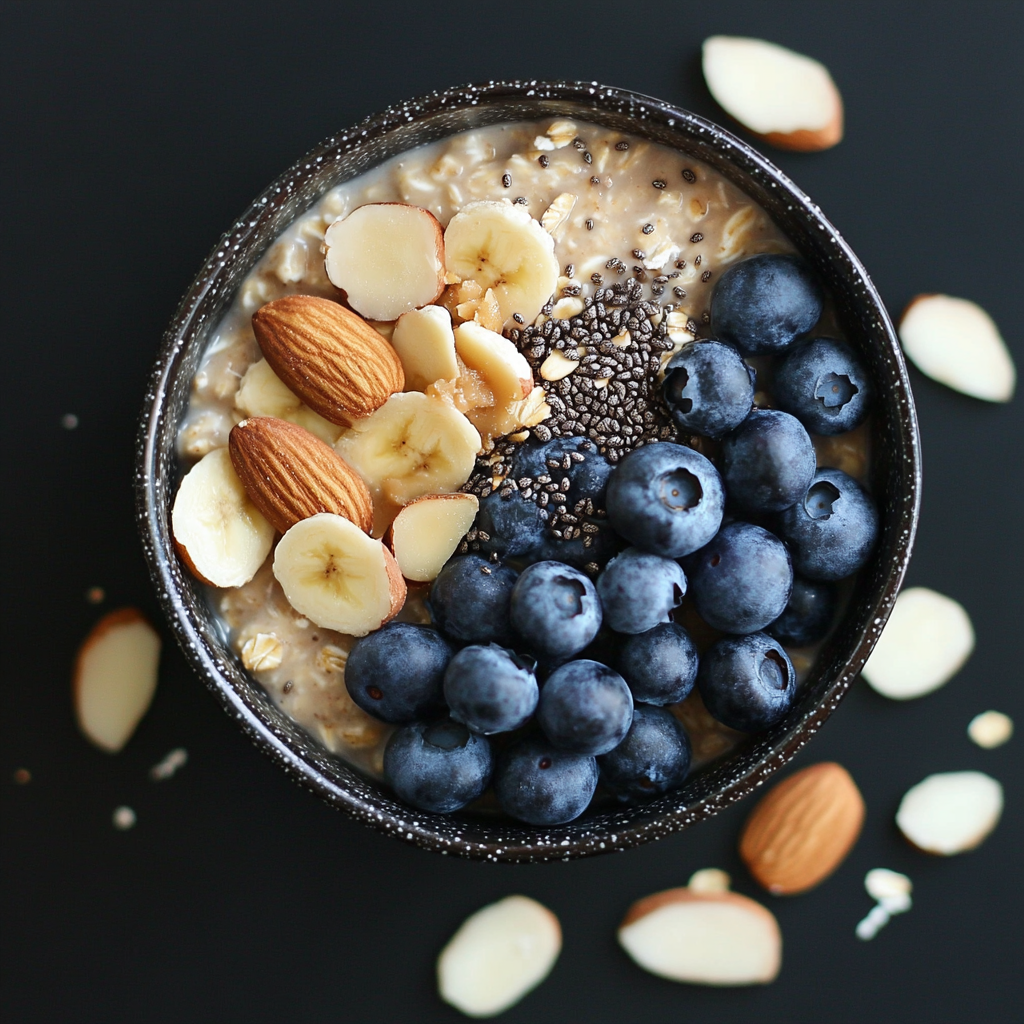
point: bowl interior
(895, 478)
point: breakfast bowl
(893, 476)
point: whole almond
(291, 475)
(803, 828)
(331, 358)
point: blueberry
(808, 615)
(396, 673)
(660, 665)
(639, 590)
(654, 756)
(767, 462)
(585, 707)
(665, 499)
(708, 388)
(469, 600)
(513, 526)
(556, 610)
(764, 303)
(823, 384)
(490, 689)
(541, 785)
(741, 581)
(832, 529)
(575, 458)
(437, 766)
(747, 682)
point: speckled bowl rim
(896, 449)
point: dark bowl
(895, 480)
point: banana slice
(263, 393)
(388, 258)
(506, 252)
(337, 577)
(412, 445)
(425, 343)
(218, 531)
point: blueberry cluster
(555, 654)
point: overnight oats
(526, 468)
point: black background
(131, 137)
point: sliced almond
(557, 365)
(388, 259)
(427, 531)
(499, 363)
(705, 938)
(554, 218)
(788, 99)
(115, 677)
(330, 357)
(950, 812)
(802, 829)
(499, 954)
(292, 475)
(425, 343)
(955, 342)
(926, 641)
(218, 530)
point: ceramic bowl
(895, 478)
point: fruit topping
(585, 707)
(666, 499)
(742, 580)
(291, 475)
(388, 259)
(955, 342)
(951, 812)
(808, 615)
(115, 677)
(503, 250)
(704, 938)
(427, 531)
(639, 590)
(767, 462)
(824, 385)
(788, 99)
(926, 641)
(660, 665)
(490, 689)
(747, 682)
(396, 674)
(469, 600)
(262, 393)
(555, 609)
(653, 758)
(498, 955)
(764, 303)
(338, 577)
(437, 766)
(708, 388)
(330, 357)
(218, 530)
(832, 529)
(802, 829)
(540, 784)
(425, 343)
(411, 446)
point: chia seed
(595, 180)
(588, 158)
(589, 224)
(506, 180)
(696, 260)
(647, 229)
(688, 175)
(706, 276)
(521, 200)
(543, 160)
(622, 146)
(658, 183)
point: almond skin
(331, 358)
(803, 828)
(290, 474)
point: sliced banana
(219, 532)
(425, 343)
(412, 445)
(263, 393)
(337, 577)
(504, 250)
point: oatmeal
(639, 235)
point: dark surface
(131, 140)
